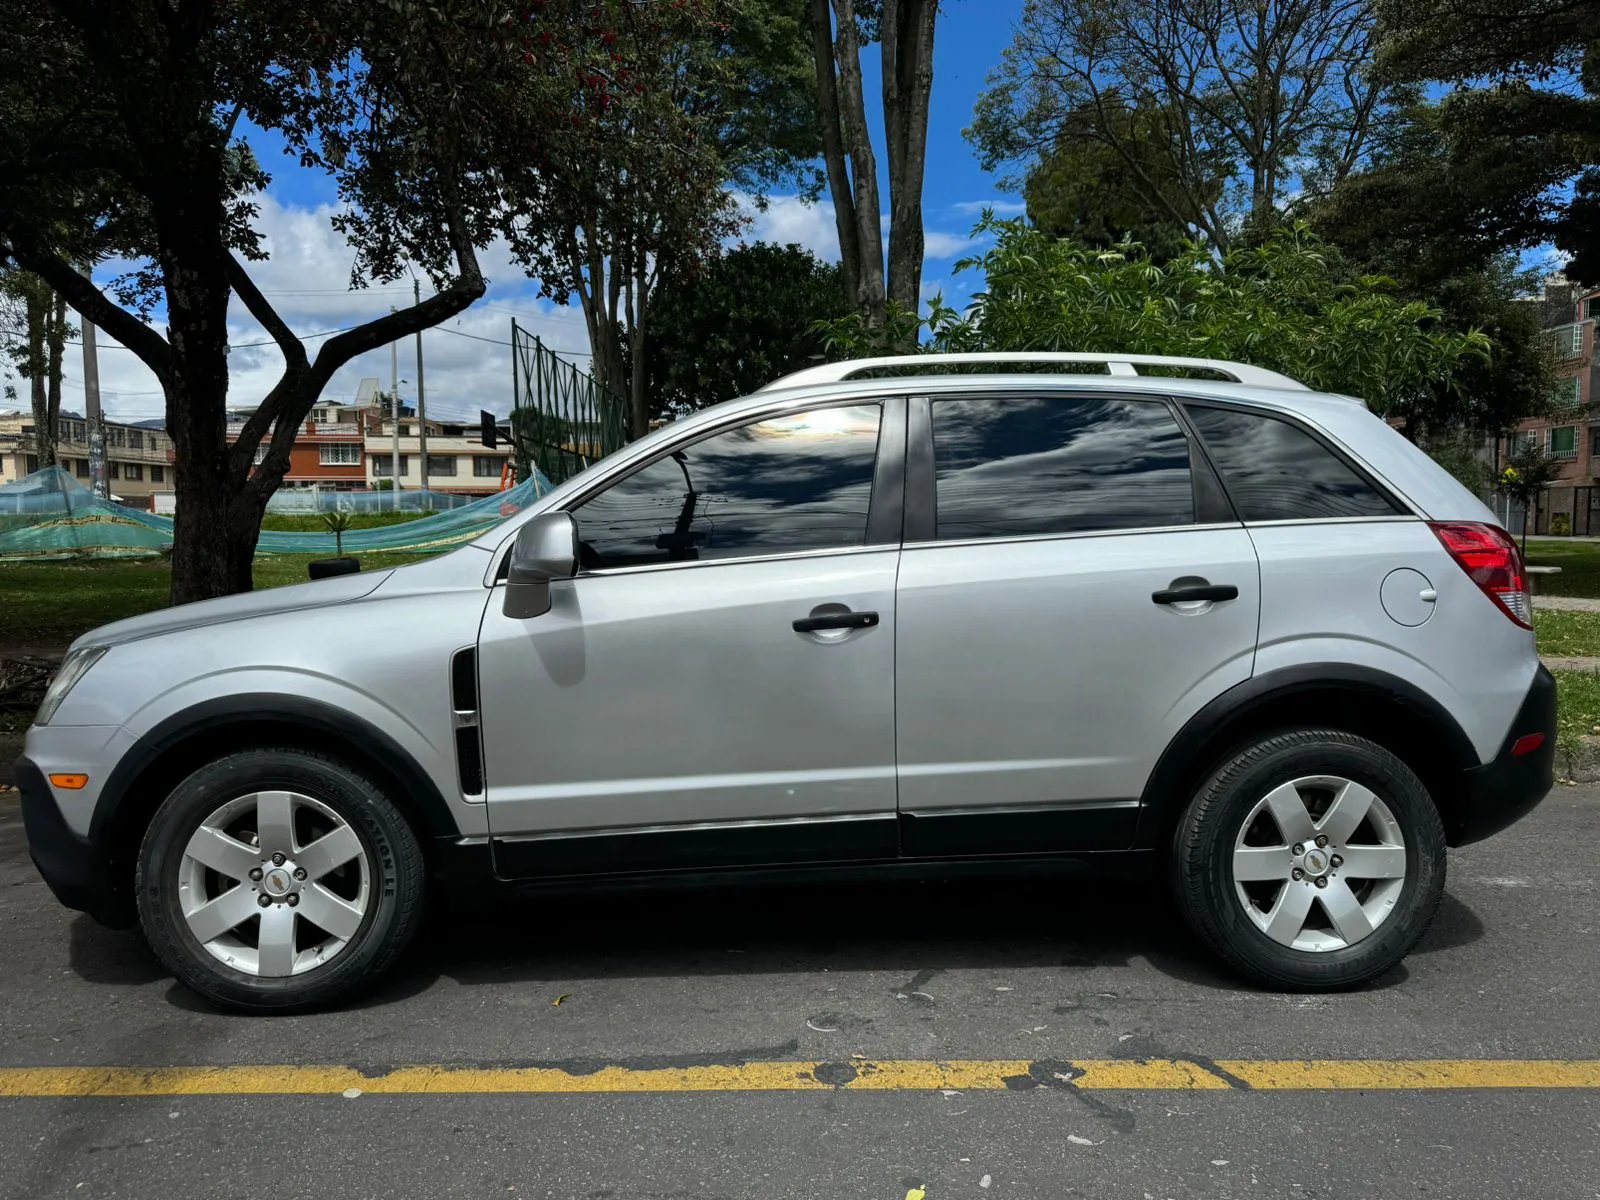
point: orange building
(329, 452)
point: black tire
(397, 890)
(1202, 859)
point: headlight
(75, 666)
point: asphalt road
(1038, 972)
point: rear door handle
(1195, 591)
(844, 620)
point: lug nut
(1322, 881)
(263, 900)
(1299, 874)
(1322, 839)
(1299, 849)
(300, 873)
(255, 874)
(1337, 861)
(294, 898)
(277, 859)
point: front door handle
(1195, 591)
(844, 620)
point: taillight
(1492, 561)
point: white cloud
(1002, 208)
(787, 219)
(937, 245)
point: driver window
(779, 486)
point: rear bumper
(1507, 788)
(67, 862)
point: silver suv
(1176, 615)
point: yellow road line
(856, 1075)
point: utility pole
(394, 411)
(422, 403)
(91, 405)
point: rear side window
(780, 486)
(1010, 466)
(1275, 472)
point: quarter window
(1007, 467)
(1275, 472)
(780, 486)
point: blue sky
(308, 273)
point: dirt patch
(23, 679)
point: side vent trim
(464, 715)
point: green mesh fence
(49, 514)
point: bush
(1560, 525)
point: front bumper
(68, 863)
(1507, 788)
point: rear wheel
(1311, 860)
(278, 880)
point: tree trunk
(38, 301)
(638, 409)
(833, 152)
(211, 547)
(870, 293)
(907, 87)
(56, 340)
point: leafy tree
(743, 321)
(1290, 304)
(34, 330)
(1521, 127)
(1411, 215)
(1220, 110)
(128, 121)
(1528, 471)
(1084, 189)
(904, 31)
(722, 96)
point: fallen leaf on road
(917, 1193)
(1080, 1141)
(556, 1003)
(985, 1182)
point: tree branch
(88, 301)
(294, 350)
(456, 297)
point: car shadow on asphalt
(733, 930)
(910, 927)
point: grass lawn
(313, 522)
(1579, 563)
(1567, 633)
(1577, 707)
(49, 604)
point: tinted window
(792, 483)
(1020, 465)
(1277, 473)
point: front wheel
(278, 880)
(1312, 860)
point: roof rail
(1115, 364)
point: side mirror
(546, 548)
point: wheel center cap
(1317, 861)
(278, 881)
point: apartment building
(328, 449)
(1570, 432)
(139, 461)
(458, 461)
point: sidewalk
(1567, 603)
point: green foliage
(1460, 453)
(1528, 471)
(1219, 111)
(1560, 524)
(1292, 305)
(1088, 190)
(745, 319)
(1521, 127)
(338, 523)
